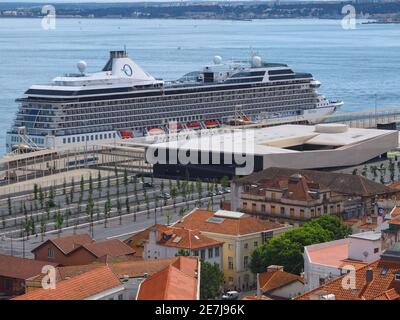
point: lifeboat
(194, 125)
(155, 131)
(126, 134)
(211, 124)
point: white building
(326, 261)
(166, 241)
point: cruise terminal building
(240, 152)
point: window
(120, 297)
(196, 253)
(255, 243)
(263, 208)
(202, 254)
(244, 205)
(246, 245)
(253, 207)
(273, 195)
(376, 250)
(302, 213)
(283, 211)
(230, 263)
(245, 262)
(292, 212)
(50, 252)
(210, 253)
(216, 251)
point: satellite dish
(217, 59)
(256, 61)
(82, 65)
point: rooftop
(178, 281)
(275, 279)
(369, 235)
(20, 268)
(337, 182)
(80, 287)
(381, 284)
(69, 243)
(207, 221)
(179, 237)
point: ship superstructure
(123, 101)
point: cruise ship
(123, 102)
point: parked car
(148, 185)
(165, 196)
(231, 295)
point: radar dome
(256, 61)
(217, 60)
(82, 65)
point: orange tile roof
(395, 212)
(112, 248)
(382, 283)
(136, 241)
(256, 298)
(80, 287)
(197, 220)
(178, 281)
(272, 280)
(139, 268)
(390, 294)
(184, 238)
(331, 255)
(21, 268)
(68, 243)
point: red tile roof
(197, 220)
(136, 241)
(272, 280)
(178, 281)
(80, 287)
(112, 248)
(21, 268)
(139, 268)
(382, 283)
(68, 243)
(183, 238)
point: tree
(72, 191)
(168, 216)
(126, 180)
(59, 220)
(42, 227)
(119, 210)
(41, 198)
(51, 197)
(287, 249)
(35, 191)
(211, 280)
(199, 189)
(90, 185)
(64, 186)
(99, 183)
(9, 204)
(174, 194)
(332, 224)
(82, 189)
(182, 253)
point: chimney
(258, 287)
(369, 275)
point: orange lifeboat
(211, 124)
(126, 134)
(194, 125)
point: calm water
(352, 65)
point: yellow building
(240, 233)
